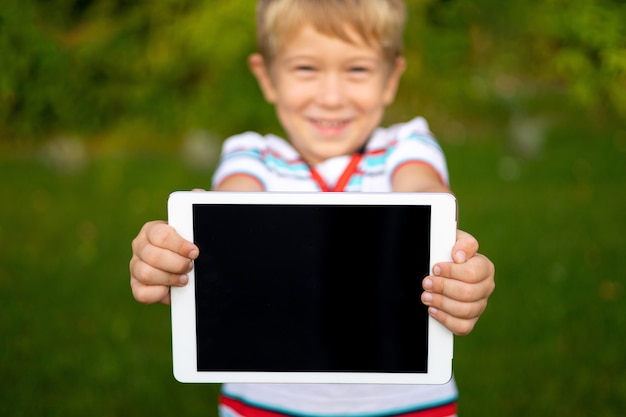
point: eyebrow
(305, 56)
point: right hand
(161, 259)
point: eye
(304, 71)
(359, 72)
(305, 68)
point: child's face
(329, 94)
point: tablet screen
(312, 287)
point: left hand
(457, 292)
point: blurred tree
(583, 44)
(94, 65)
(31, 73)
(487, 57)
(91, 66)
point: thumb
(465, 247)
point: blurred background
(107, 106)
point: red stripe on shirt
(246, 410)
(379, 151)
(446, 410)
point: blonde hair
(377, 23)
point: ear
(257, 65)
(393, 81)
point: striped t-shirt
(278, 167)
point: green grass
(74, 342)
(551, 340)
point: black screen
(311, 288)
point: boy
(330, 67)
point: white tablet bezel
(440, 346)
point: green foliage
(31, 98)
(93, 67)
(167, 65)
(584, 44)
(488, 60)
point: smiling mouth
(330, 124)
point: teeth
(330, 124)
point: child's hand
(161, 258)
(457, 292)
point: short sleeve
(242, 155)
(415, 143)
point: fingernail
(193, 254)
(427, 297)
(437, 270)
(183, 279)
(432, 311)
(427, 284)
(461, 257)
(190, 266)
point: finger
(148, 274)
(162, 235)
(476, 269)
(459, 327)
(465, 247)
(164, 259)
(456, 290)
(458, 309)
(149, 294)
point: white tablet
(311, 287)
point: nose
(331, 90)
